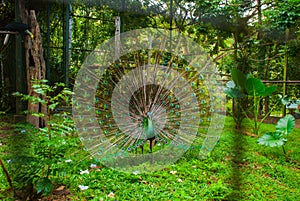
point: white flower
(23, 131)
(179, 180)
(93, 166)
(111, 195)
(68, 161)
(135, 172)
(1, 144)
(82, 187)
(194, 166)
(173, 172)
(84, 171)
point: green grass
(237, 169)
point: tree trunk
(261, 52)
(117, 37)
(35, 65)
(286, 59)
(267, 76)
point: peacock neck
(148, 127)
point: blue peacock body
(148, 127)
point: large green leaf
(269, 90)
(230, 84)
(239, 78)
(273, 139)
(44, 185)
(255, 87)
(286, 124)
(234, 93)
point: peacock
(148, 128)
(16, 27)
(160, 90)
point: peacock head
(149, 115)
(147, 120)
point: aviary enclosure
(149, 100)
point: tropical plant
(50, 142)
(246, 86)
(278, 138)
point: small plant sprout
(278, 138)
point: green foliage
(232, 91)
(255, 170)
(243, 85)
(262, 174)
(272, 139)
(49, 144)
(254, 89)
(286, 125)
(286, 13)
(278, 138)
(236, 158)
(239, 78)
(39, 155)
(49, 96)
(44, 185)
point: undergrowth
(237, 169)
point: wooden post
(66, 43)
(287, 31)
(48, 60)
(19, 58)
(117, 37)
(35, 64)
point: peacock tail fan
(147, 94)
(127, 100)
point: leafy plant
(246, 86)
(50, 143)
(278, 138)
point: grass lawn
(237, 169)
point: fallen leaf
(145, 182)
(60, 188)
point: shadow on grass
(238, 148)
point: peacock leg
(150, 140)
(142, 148)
